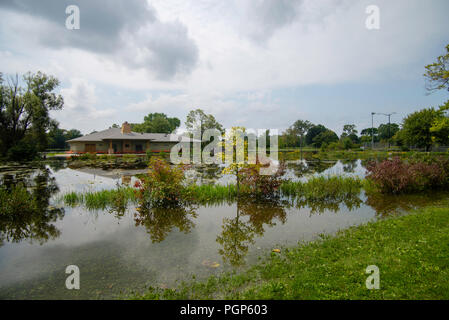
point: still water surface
(117, 252)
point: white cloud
(80, 109)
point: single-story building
(123, 140)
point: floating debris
(210, 264)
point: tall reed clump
(213, 194)
(406, 176)
(104, 199)
(323, 188)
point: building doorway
(90, 148)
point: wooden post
(111, 150)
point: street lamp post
(389, 125)
(372, 130)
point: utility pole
(389, 125)
(372, 130)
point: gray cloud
(267, 16)
(109, 26)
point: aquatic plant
(323, 188)
(104, 199)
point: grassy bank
(412, 253)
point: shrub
(23, 151)
(162, 185)
(400, 176)
(258, 185)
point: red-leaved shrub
(400, 176)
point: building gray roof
(116, 134)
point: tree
(313, 132)
(387, 131)
(366, 135)
(437, 73)
(289, 138)
(416, 127)
(325, 137)
(440, 127)
(198, 121)
(301, 127)
(57, 137)
(157, 123)
(24, 113)
(350, 132)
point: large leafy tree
(198, 121)
(24, 113)
(349, 131)
(157, 123)
(313, 132)
(366, 135)
(57, 137)
(325, 137)
(387, 131)
(440, 127)
(437, 73)
(416, 127)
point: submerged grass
(103, 199)
(323, 188)
(315, 189)
(411, 252)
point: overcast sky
(258, 64)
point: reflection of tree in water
(26, 210)
(303, 167)
(387, 205)
(299, 168)
(206, 173)
(56, 165)
(159, 222)
(320, 166)
(352, 201)
(349, 165)
(238, 233)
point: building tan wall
(104, 146)
(161, 146)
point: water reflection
(387, 205)
(159, 222)
(349, 165)
(300, 168)
(26, 210)
(238, 233)
(351, 201)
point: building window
(126, 145)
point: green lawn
(412, 253)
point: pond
(117, 252)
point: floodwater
(119, 252)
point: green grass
(411, 252)
(322, 188)
(103, 199)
